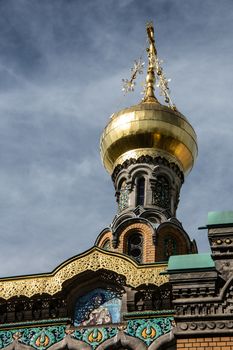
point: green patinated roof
(190, 262)
(220, 218)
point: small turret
(148, 149)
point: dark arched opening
(106, 245)
(140, 193)
(134, 246)
(162, 192)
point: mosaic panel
(124, 197)
(99, 306)
(42, 338)
(95, 336)
(149, 330)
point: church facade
(143, 284)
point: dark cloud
(61, 65)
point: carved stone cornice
(203, 302)
(148, 160)
(205, 326)
(92, 260)
(221, 242)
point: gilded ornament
(95, 336)
(148, 332)
(93, 260)
(129, 84)
(148, 129)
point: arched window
(106, 244)
(162, 192)
(140, 192)
(134, 246)
(167, 246)
(170, 247)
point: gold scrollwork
(92, 260)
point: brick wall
(106, 236)
(181, 243)
(148, 246)
(150, 252)
(209, 343)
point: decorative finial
(129, 84)
(154, 72)
(149, 95)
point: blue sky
(61, 65)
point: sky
(61, 66)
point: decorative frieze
(93, 260)
(41, 338)
(148, 160)
(206, 326)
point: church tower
(142, 285)
(148, 149)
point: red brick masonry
(215, 343)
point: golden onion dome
(149, 128)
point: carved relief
(205, 326)
(150, 298)
(123, 199)
(93, 260)
(22, 309)
(148, 160)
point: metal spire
(149, 95)
(154, 75)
